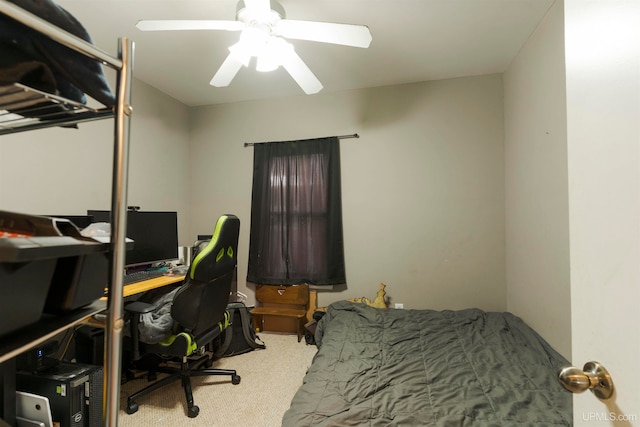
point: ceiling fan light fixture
(266, 63)
(273, 55)
(255, 43)
(252, 43)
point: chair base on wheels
(183, 374)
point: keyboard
(139, 276)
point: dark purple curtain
(296, 214)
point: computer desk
(147, 285)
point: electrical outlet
(399, 305)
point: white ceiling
(413, 40)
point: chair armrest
(139, 307)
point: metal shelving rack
(77, 113)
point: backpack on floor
(240, 336)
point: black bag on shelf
(240, 336)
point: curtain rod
(355, 135)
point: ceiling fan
(263, 30)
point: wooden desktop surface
(147, 285)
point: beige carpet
(270, 378)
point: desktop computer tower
(89, 345)
(74, 391)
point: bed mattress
(381, 367)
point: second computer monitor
(154, 235)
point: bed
(381, 367)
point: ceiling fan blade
(296, 67)
(326, 32)
(227, 71)
(177, 25)
(258, 6)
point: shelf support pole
(115, 310)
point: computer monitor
(154, 235)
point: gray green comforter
(377, 367)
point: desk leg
(8, 391)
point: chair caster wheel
(235, 379)
(132, 407)
(193, 411)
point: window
(296, 214)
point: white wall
(423, 188)
(537, 216)
(67, 171)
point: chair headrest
(220, 252)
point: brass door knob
(592, 377)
